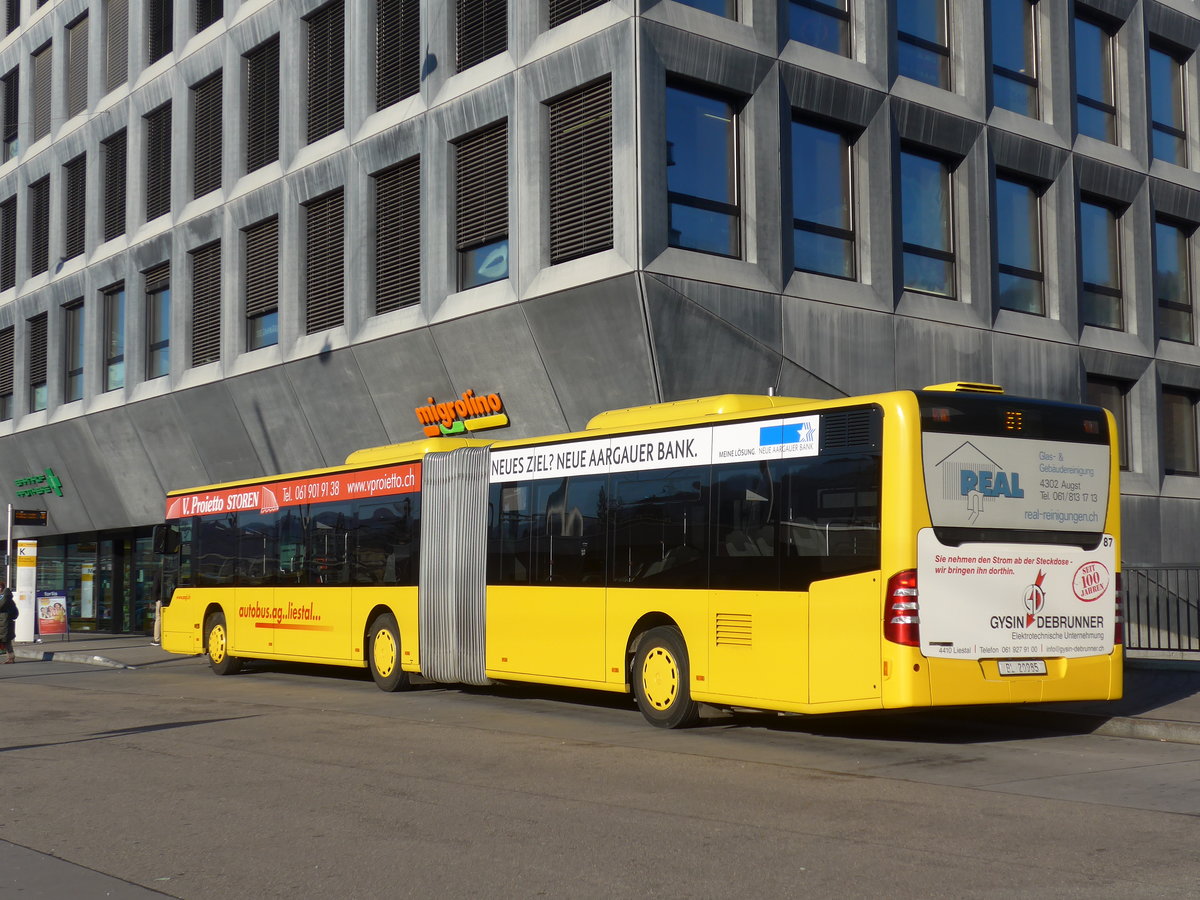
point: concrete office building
(241, 237)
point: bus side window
(660, 528)
(745, 527)
(216, 551)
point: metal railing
(1162, 608)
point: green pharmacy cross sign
(46, 483)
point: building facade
(241, 237)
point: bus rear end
(1015, 596)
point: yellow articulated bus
(946, 546)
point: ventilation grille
(326, 70)
(159, 27)
(324, 263)
(8, 243)
(114, 185)
(37, 350)
(481, 187)
(12, 107)
(43, 63)
(117, 40)
(6, 361)
(398, 236)
(39, 226)
(206, 136)
(206, 304)
(77, 62)
(207, 12)
(262, 268)
(581, 217)
(262, 100)
(855, 429)
(75, 173)
(397, 51)
(734, 630)
(482, 30)
(158, 162)
(563, 10)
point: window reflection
(702, 193)
(1019, 247)
(926, 224)
(824, 228)
(1100, 259)
(922, 43)
(1014, 55)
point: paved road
(284, 783)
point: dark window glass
(397, 51)
(1113, 395)
(1095, 108)
(563, 10)
(214, 549)
(73, 352)
(158, 320)
(324, 262)
(39, 226)
(42, 62)
(481, 31)
(398, 236)
(388, 541)
(1179, 432)
(159, 26)
(1014, 55)
(75, 206)
(1173, 282)
(927, 224)
(38, 393)
(114, 338)
(330, 537)
(262, 105)
(481, 206)
(116, 58)
(1100, 259)
(113, 151)
(262, 283)
(258, 556)
(77, 62)
(823, 225)
(702, 179)
(581, 184)
(206, 303)
(922, 43)
(660, 528)
(1166, 107)
(820, 23)
(207, 118)
(12, 15)
(12, 114)
(158, 162)
(1019, 247)
(725, 8)
(207, 12)
(326, 70)
(8, 243)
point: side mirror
(166, 539)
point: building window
(77, 63)
(1173, 282)
(820, 23)
(324, 262)
(922, 42)
(158, 162)
(8, 243)
(1100, 258)
(38, 395)
(1169, 140)
(207, 117)
(703, 209)
(398, 236)
(113, 151)
(207, 12)
(158, 320)
(326, 70)
(481, 31)
(481, 206)
(262, 284)
(397, 51)
(724, 8)
(1095, 107)
(6, 373)
(1179, 432)
(114, 337)
(564, 10)
(43, 62)
(12, 114)
(116, 50)
(74, 206)
(1113, 395)
(159, 28)
(12, 15)
(1014, 55)
(39, 226)
(927, 224)
(73, 352)
(822, 217)
(581, 182)
(206, 303)
(1019, 247)
(262, 104)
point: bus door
(313, 614)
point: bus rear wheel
(661, 679)
(383, 654)
(217, 642)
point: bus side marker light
(616, 670)
(887, 668)
(699, 677)
(916, 667)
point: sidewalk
(1161, 702)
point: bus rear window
(999, 416)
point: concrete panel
(175, 460)
(699, 354)
(1170, 536)
(120, 447)
(333, 397)
(851, 350)
(933, 353)
(270, 413)
(14, 464)
(593, 343)
(399, 373)
(89, 498)
(494, 351)
(1036, 368)
(212, 426)
(755, 312)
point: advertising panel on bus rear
(989, 600)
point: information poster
(52, 612)
(24, 588)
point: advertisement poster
(87, 608)
(23, 590)
(52, 612)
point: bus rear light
(1119, 617)
(901, 619)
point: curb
(74, 656)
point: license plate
(1022, 667)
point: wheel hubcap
(383, 653)
(216, 644)
(660, 678)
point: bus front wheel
(383, 654)
(217, 641)
(661, 679)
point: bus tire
(662, 678)
(216, 641)
(383, 654)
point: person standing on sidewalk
(8, 622)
